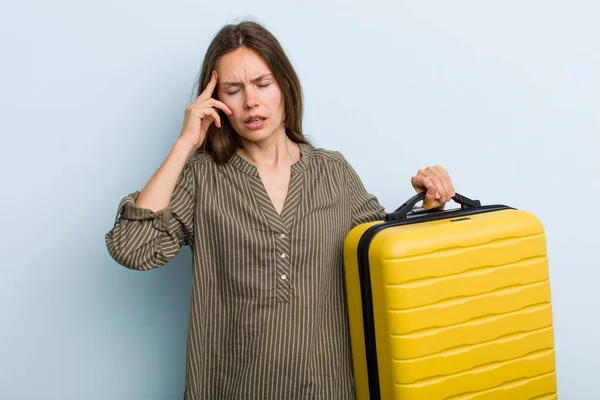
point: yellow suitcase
(451, 304)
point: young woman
(266, 214)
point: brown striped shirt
(268, 317)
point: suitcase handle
(405, 208)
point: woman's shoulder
(195, 164)
(325, 155)
(199, 158)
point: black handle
(405, 208)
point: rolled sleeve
(143, 239)
(128, 210)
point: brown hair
(221, 143)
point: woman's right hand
(200, 114)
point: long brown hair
(221, 143)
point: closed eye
(260, 85)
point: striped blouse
(268, 316)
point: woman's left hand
(437, 183)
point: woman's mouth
(255, 122)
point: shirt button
(282, 255)
(282, 236)
(283, 276)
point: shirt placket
(283, 270)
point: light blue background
(503, 94)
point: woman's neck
(276, 151)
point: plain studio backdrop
(503, 94)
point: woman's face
(247, 86)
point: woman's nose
(251, 99)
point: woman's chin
(260, 135)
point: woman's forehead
(242, 64)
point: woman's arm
(150, 231)
(153, 224)
(157, 193)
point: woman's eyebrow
(259, 78)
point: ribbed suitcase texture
(460, 305)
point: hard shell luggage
(451, 304)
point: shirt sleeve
(365, 206)
(143, 239)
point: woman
(266, 214)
